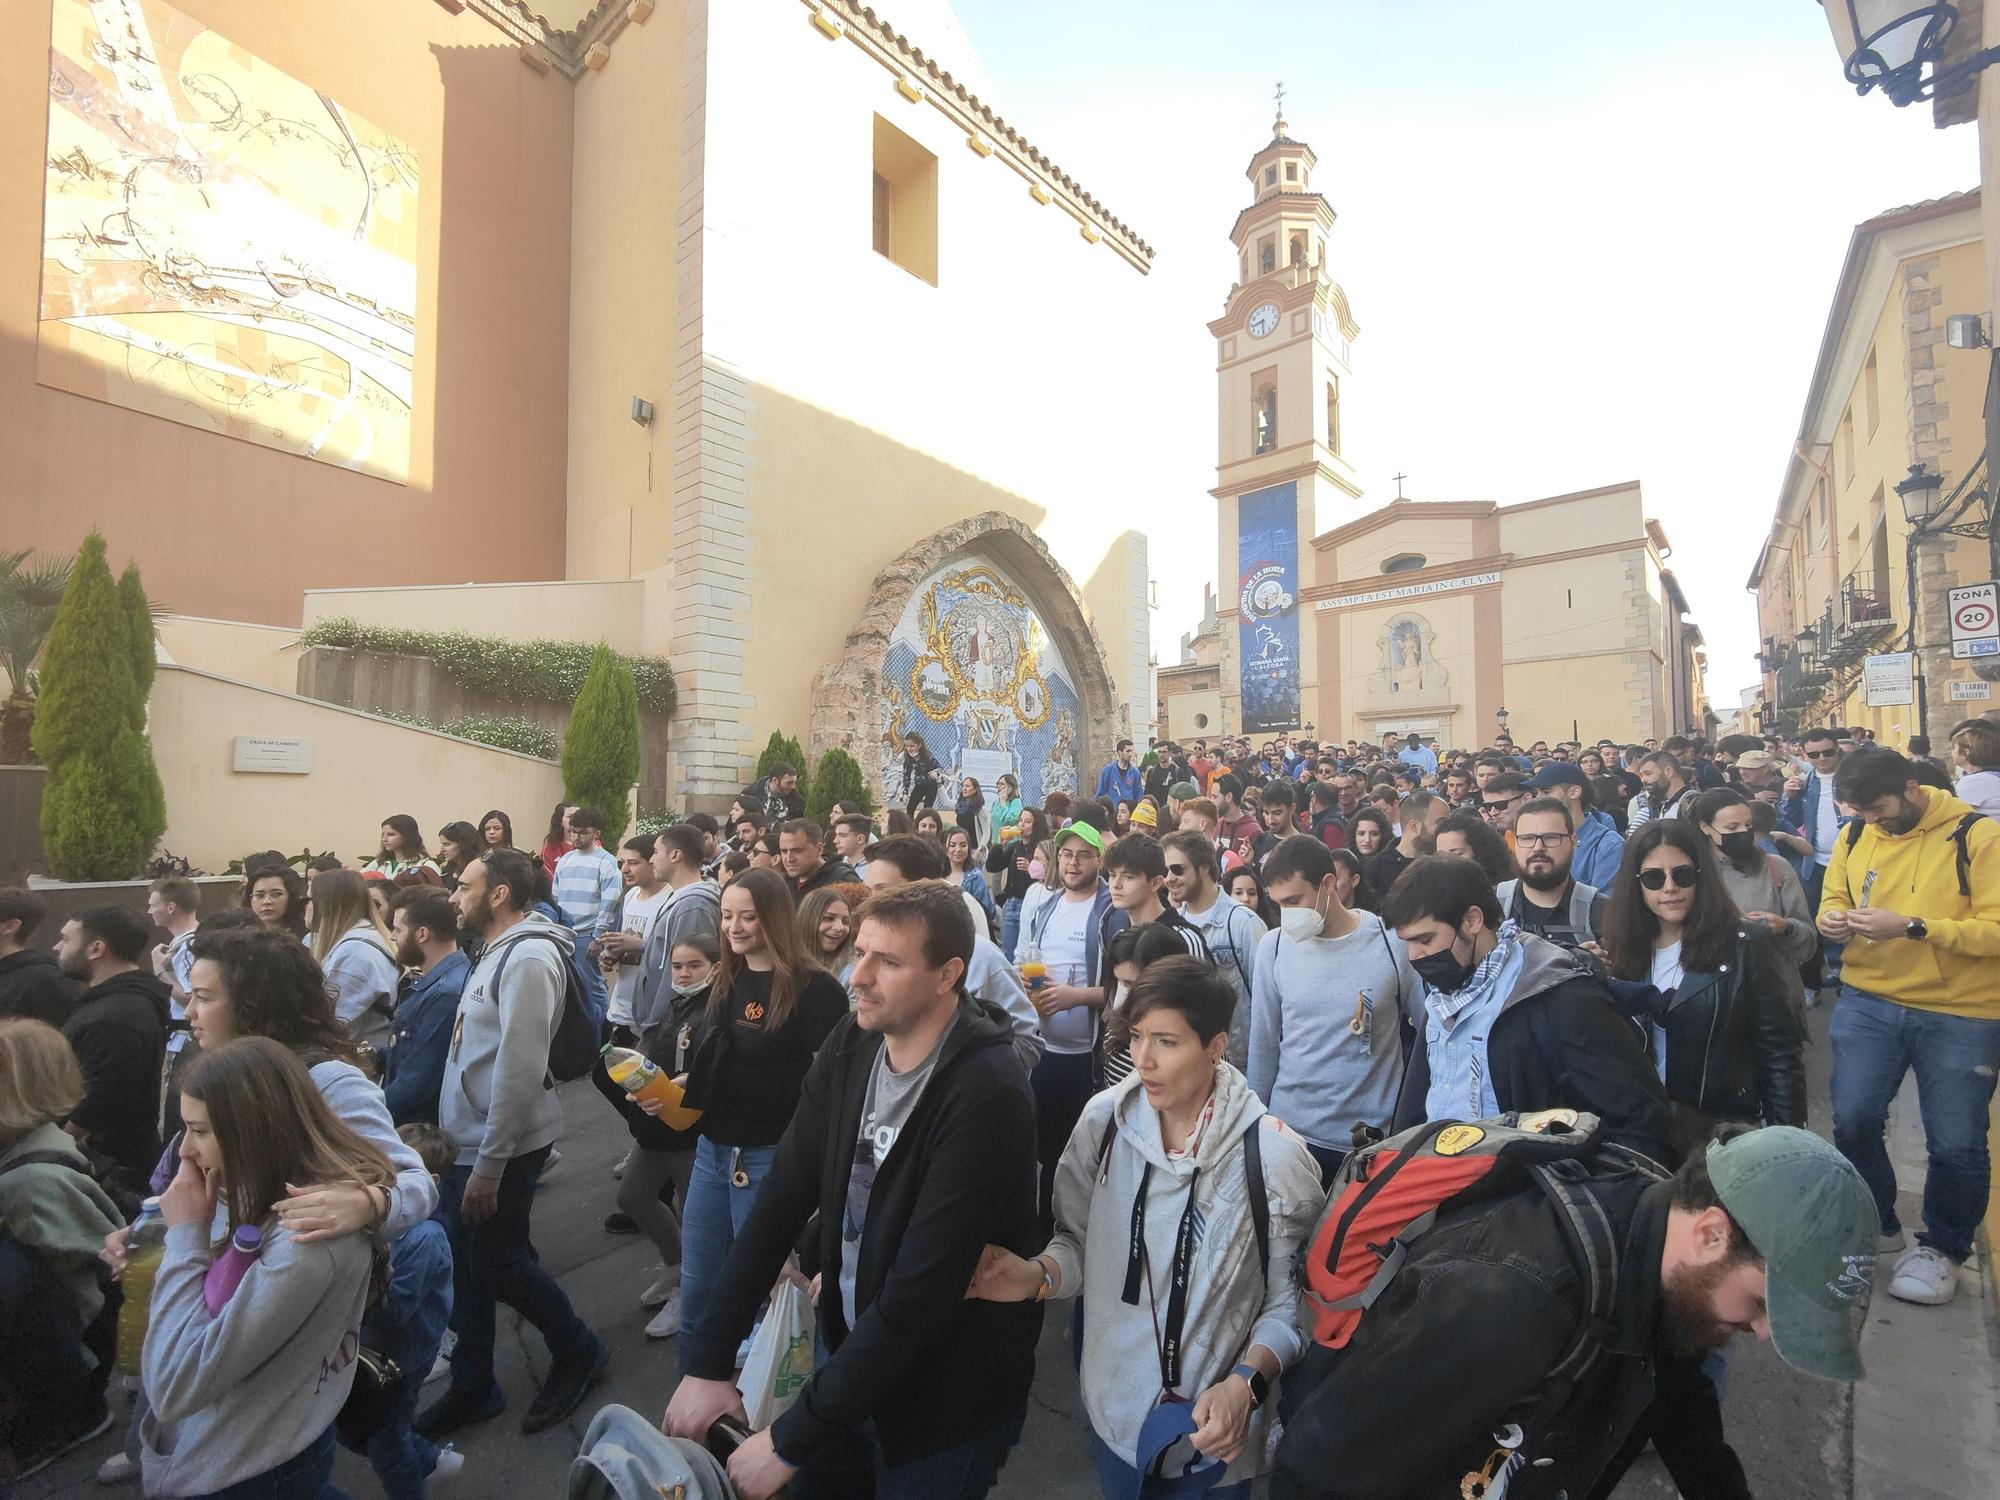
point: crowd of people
(270, 1170)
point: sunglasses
(1655, 879)
(1177, 869)
(1823, 754)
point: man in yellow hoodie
(1913, 889)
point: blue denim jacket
(1599, 848)
(413, 1070)
(408, 1323)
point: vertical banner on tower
(1267, 613)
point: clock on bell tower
(1283, 353)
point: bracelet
(1048, 1287)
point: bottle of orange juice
(1028, 958)
(643, 1078)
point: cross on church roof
(1399, 478)
(1279, 97)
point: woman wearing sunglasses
(1725, 1034)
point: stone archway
(871, 692)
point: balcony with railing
(1857, 620)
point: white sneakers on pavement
(667, 1321)
(1925, 1276)
(449, 1462)
(441, 1366)
(117, 1469)
(664, 1286)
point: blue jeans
(1875, 1042)
(1010, 926)
(305, 1476)
(1117, 1479)
(715, 1210)
(1829, 951)
(494, 1263)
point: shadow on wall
(232, 530)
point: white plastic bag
(781, 1356)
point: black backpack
(1961, 835)
(574, 1044)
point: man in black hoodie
(1511, 1021)
(30, 983)
(914, 1142)
(119, 1032)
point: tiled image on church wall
(972, 669)
(224, 245)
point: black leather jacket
(1735, 1045)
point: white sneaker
(665, 1284)
(1924, 1275)
(449, 1462)
(667, 1321)
(441, 1366)
(117, 1469)
(1889, 1244)
(618, 1168)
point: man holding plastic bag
(915, 1143)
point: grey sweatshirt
(1314, 1072)
(235, 1395)
(358, 1101)
(498, 1101)
(363, 976)
(1230, 1304)
(1777, 889)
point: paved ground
(1923, 1428)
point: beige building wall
(216, 814)
(612, 611)
(265, 655)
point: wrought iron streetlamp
(1919, 494)
(1889, 45)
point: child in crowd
(408, 1326)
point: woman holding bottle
(769, 1007)
(1020, 862)
(245, 1381)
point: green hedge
(522, 735)
(511, 671)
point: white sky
(1586, 240)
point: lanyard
(1169, 1343)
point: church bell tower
(1283, 347)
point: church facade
(1422, 617)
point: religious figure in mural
(1059, 770)
(1406, 649)
(1408, 664)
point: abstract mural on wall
(223, 245)
(971, 668)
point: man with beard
(1421, 813)
(1767, 1232)
(1547, 900)
(118, 1030)
(1666, 789)
(425, 927)
(1917, 883)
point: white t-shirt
(635, 916)
(1668, 972)
(1065, 949)
(1826, 822)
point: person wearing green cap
(1768, 1231)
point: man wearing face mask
(1511, 1021)
(1330, 992)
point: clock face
(1264, 319)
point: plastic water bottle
(227, 1270)
(143, 1249)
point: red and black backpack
(1386, 1196)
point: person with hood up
(31, 984)
(1185, 1330)
(1513, 1022)
(119, 1031)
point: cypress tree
(600, 753)
(145, 666)
(783, 749)
(102, 810)
(836, 779)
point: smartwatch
(1917, 929)
(1260, 1388)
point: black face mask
(1443, 971)
(1738, 847)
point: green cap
(1081, 831)
(1183, 791)
(1811, 1217)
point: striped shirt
(587, 886)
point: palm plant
(31, 586)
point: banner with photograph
(1267, 608)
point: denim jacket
(413, 1069)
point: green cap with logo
(1081, 831)
(1810, 1216)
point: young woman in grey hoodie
(1153, 1218)
(245, 1383)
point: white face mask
(684, 990)
(1301, 923)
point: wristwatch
(1917, 929)
(1260, 1388)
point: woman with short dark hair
(1181, 1141)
